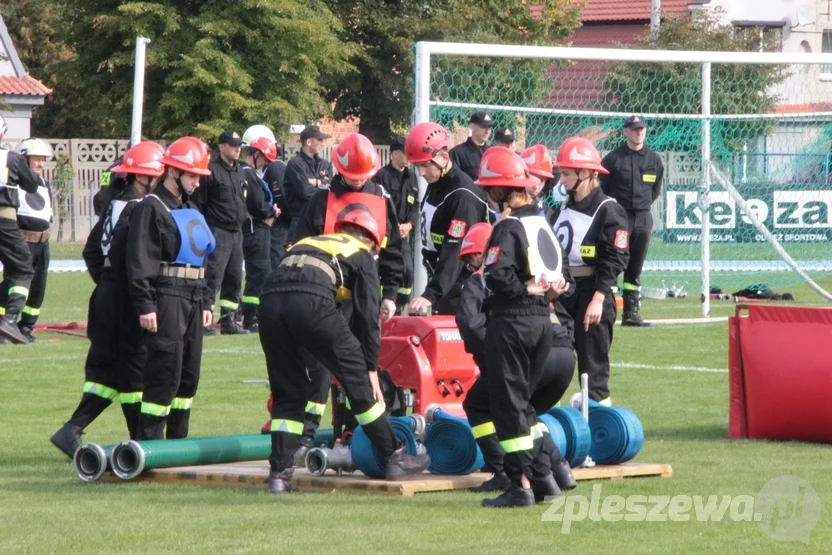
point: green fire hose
(128, 459)
(92, 460)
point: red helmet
(355, 157)
(266, 146)
(143, 159)
(502, 167)
(424, 140)
(475, 239)
(362, 219)
(578, 153)
(188, 154)
(539, 162)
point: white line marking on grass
(674, 368)
(236, 351)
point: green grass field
(672, 376)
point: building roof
(23, 86)
(21, 83)
(629, 10)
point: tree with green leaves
(676, 88)
(211, 64)
(380, 89)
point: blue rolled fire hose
(451, 445)
(617, 434)
(369, 459)
(555, 431)
(452, 448)
(578, 435)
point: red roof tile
(24, 86)
(606, 36)
(627, 10)
(623, 10)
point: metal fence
(88, 158)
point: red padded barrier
(781, 373)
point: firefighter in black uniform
(34, 216)
(299, 312)
(539, 162)
(451, 206)
(555, 379)
(466, 156)
(262, 212)
(274, 177)
(400, 182)
(356, 160)
(110, 185)
(504, 136)
(592, 229)
(14, 254)
(635, 182)
(220, 198)
(523, 272)
(115, 360)
(305, 173)
(167, 248)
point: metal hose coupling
(91, 461)
(128, 459)
(339, 459)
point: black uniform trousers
(37, 290)
(516, 350)
(593, 346)
(290, 323)
(640, 223)
(279, 240)
(320, 385)
(256, 251)
(116, 357)
(17, 267)
(554, 381)
(225, 268)
(174, 357)
(406, 290)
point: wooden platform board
(255, 473)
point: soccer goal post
(746, 140)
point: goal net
(746, 139)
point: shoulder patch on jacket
(622, 239)
(492, 256)
(457, 229)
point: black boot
(400, 465)
(560, 467)
(545, 488)
(228, 323)
(9, 330)
(151, 427)
(498, 482)
(210, 330)
(514, 496)
(251, 320)
(281, 482)
(67, 439)
(26, 331)
(631, 305)
(300, 455)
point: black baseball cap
(634, 122)
(313, 132)
(482, 118)
(504, 135)
(229, 137)
(397, 144)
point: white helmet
(255, 132)
(35, 147)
